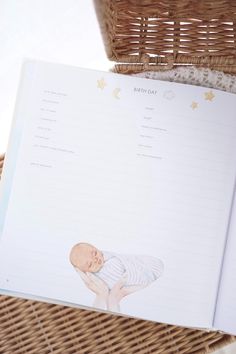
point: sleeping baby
(110, 267)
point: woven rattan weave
(40, 328)
(165, 33)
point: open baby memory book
(118, 194)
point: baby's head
(86, 258)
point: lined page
(132, 166)
(226, 303)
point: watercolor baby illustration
(112, 276)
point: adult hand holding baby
(106, 299)
(97, 286)
(119, 291)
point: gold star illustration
(209, 96)
(194, 105)
(116, 92)
(101, 83)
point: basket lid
(169, 32)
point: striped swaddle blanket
(139, 270)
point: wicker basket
(143, 35)
(161, 34)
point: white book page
(134, 167)
(225, 316)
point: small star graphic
(209, 96)
(116, 93)
(194, 105)
(101, 83)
